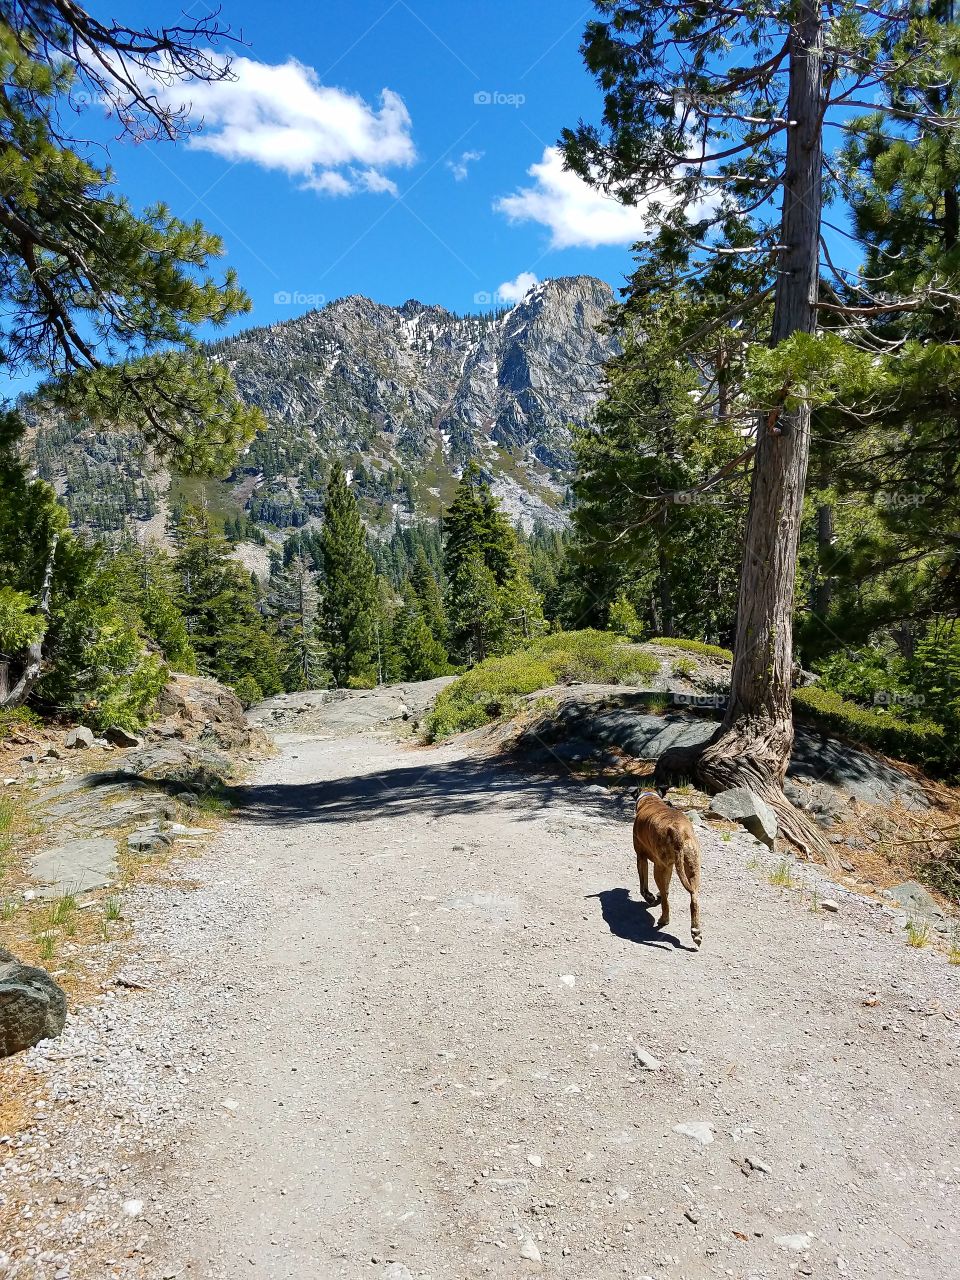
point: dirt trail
(435, 976)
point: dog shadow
(634, 922)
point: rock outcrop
(193, 707)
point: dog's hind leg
(643, 871)
(662, 876)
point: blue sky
(395, 148)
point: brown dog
(666, 837)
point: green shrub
(694, 646)
(869, 674)
(14, 719)
(623, 618)
(922, 742)
(491, 689)
(597, 657)
(684, 668)
(248, 691)
(494, 687)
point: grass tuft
(782, 875)
(918, 932)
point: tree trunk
(752, 745)
(666, 596)
(821, 597)
(33, 662)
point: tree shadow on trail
(633, 922)
(432, 786)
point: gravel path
(393, 1034)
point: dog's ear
(662, 790)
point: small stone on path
(699, 1130)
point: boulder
(147, 840)
(740, 804)
(916, 901)
(32, 1006)
(79, 739)
(119, 737)
(205, 708)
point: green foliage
(123, 681)
(294, 606)
(20, 624)
(936, 673)
(491, 604)
(222, 608)
(594, 657)
(491, 689)
(248, 691)
(85, 275)
(414, 651)
(623, 618)
(349, 608)
(920, 741)
(694, 646)
(496, 686)
(642, 530)
(871, 675)
(145, 579)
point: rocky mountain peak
(404, 396)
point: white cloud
(576, 213)
(514, 290)
(461, 167)
(282, 118)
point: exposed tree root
(713, 767)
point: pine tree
(294, 604)
(349, 607)
(491, 606)
(429, 596)
(477, 619)
(222, 608)
(474, 523)
(415, 652)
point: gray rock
(79, 739)
(645, 1060)
(76, 866)
(32, 1006)
(915, 900)
(147, 840)
(740, 804)
(828, 904)
(121, 737)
